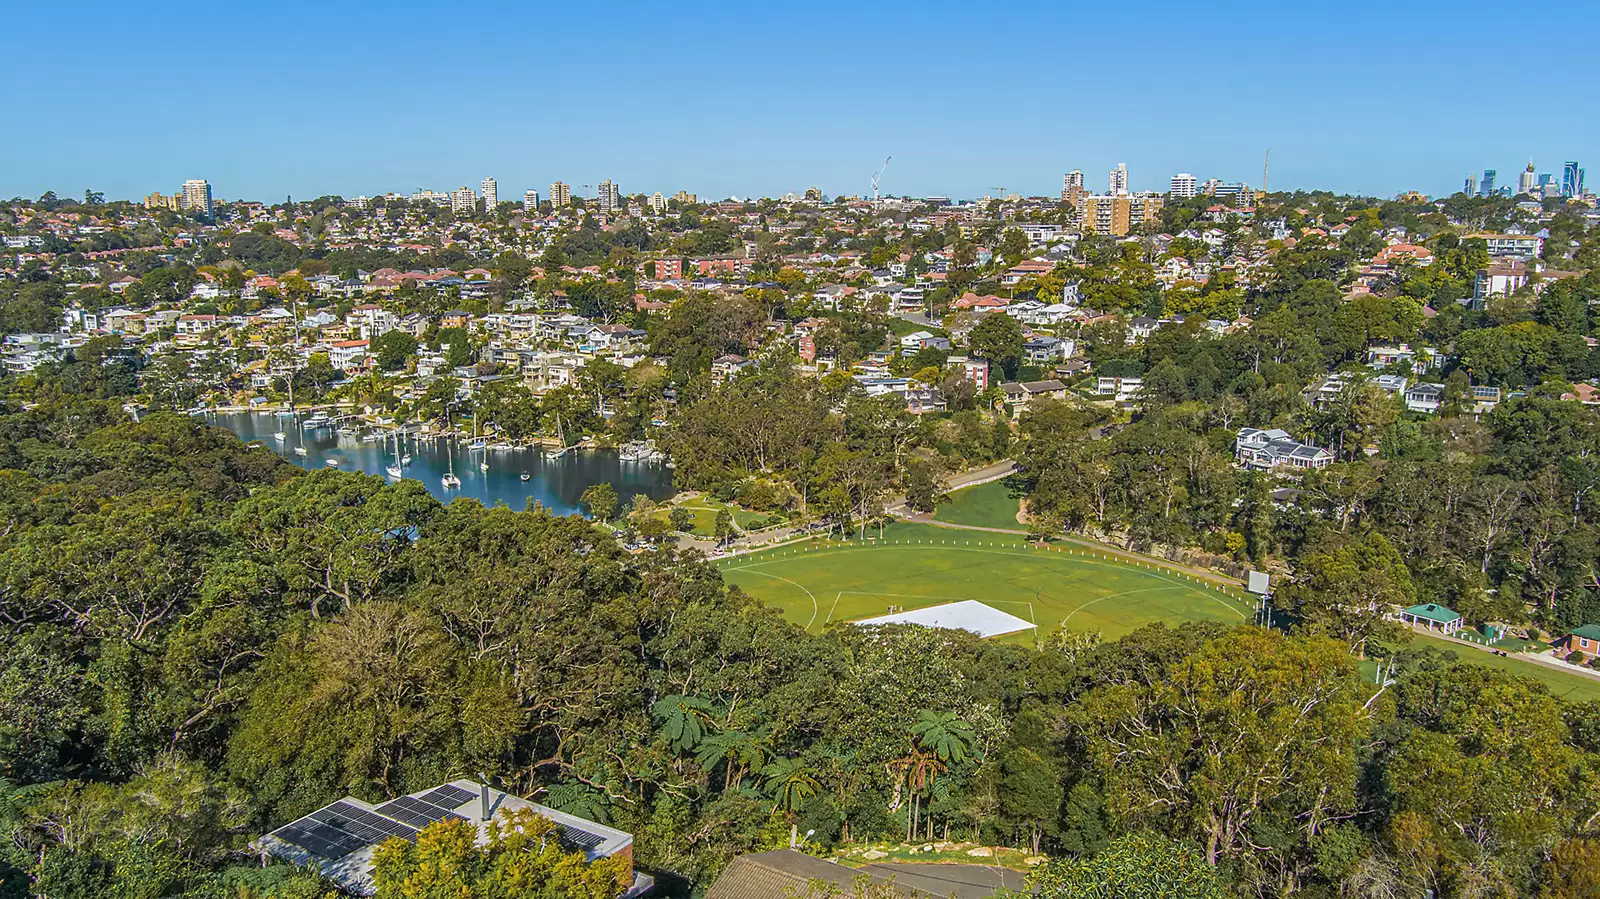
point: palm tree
(790, 783)
(951, 739)
(686, 720)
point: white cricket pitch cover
(966, 615)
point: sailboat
(449, 479)
(560, 435)
(294, 414)
(395, 471)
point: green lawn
(1574, 687)
(705, 515)
(920, 565)
(991, 505)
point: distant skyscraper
(491, 195)
(1470, 186)
(1119, 179)
(610, 198)
(1184, 185)
(1486, 187)
(560, 194)
(1571, 180)
(1072, 187)
(197, 195)
(463, 201)
(530, 201)
(1527, 181)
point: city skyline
(822, 105)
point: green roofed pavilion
(1434, 617)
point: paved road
(1545, 658)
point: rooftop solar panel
(576, 839)
(320, 839)
(416, 812)
(448, 796)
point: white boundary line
(814, 608)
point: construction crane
(875, 179)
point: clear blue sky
(747, 98)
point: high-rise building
(1119, 179)
(1527, 180)
(463, 201)
(1184, 185)
(1072, 190)
(560, 194)
(159, 200)
(1571, 180)
(197, 196)
(1470, 186)
(491, 194)
(1486, 186)
(1117, 215)
(530, 200)
(610, 198)
(658, 203)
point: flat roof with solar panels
(339, 839)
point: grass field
(705, 509)
(920, 565)
(991, 505)
(1574, 687)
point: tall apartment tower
(530, 201)
(1470, 186)
(658, 203)
(560, 194)
(1527, 181)
(610, 198)
(197, 195)
(491, 194)
(1571, 179)
(1119, 180)
(1072, 187)
(1184, 186)
(1486, 186)
(463, 201)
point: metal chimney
(483, 796)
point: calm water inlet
(557, 483)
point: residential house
(1424, 397)
(370, 321)
(347, 354)
(920, 340)
(1265, 450)
(725, 367)
(1020, 395)
(340, 840)
(1524, 246)
(920, 400)
(1121, 390)
(1585, 639)
(1047, 350)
